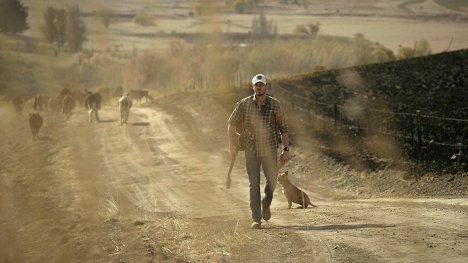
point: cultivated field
(390, 23)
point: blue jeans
(253, 163)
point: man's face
(259, 89)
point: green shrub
(144, 20)
(242, 6)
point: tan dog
(292, 193)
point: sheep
(68, 104)
(138, 95)
(18, 104)
(35, 123)
(40, 102)
(125, 103)
(93, 104)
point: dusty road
(153, 191)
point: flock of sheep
(67, 99)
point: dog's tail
(306, 201)
(310, 203)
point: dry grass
(387, 28)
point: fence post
(369, 126)
(419, 139)
(460, 151)
(411, 124)
(309, 108)
(335, 115)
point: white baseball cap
(259, 78)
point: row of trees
(64, 26)
(218, 64)
(310, 29)
(244, 6)
(265, 28)
(60, 26)
(192, 64)
(262, 27)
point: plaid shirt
(262, 125)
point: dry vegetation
(201, 61)
(81, 193)
(204, 60)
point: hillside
(418, 105)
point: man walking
(263, 121)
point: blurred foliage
(242, 6)
(54, 27)
(421, 48)
(309, 29)
(64, 27)
(458, 5)
(262, 27)
(144, 20)
(13, 17)
(207, 7)
(190, 65)
(75, 32)
(104, 15)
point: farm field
(154, 190)
(385, 22)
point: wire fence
(434, 140)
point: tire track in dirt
(197, 183)
(376, 230)
(337, 231)
(130, 169)
(47, 196)
(155, 168)
(189, 180)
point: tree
(262, 27)
(309, 29)
(61, 27)
(105, 15)
(381, 54)
(54, 27)
(241, 6)
(405, 52)
(75, 33)
(313, 28)
(48, 29)
(300, 30)
(13, 17)
(422, 48)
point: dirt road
(153, 191)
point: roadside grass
(457, 5)
(404, 5)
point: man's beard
(259, 94)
